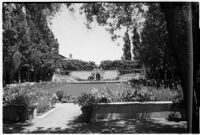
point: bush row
(137, 93)
(172, 84)
(28, 94)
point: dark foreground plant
(86, 99)
(27, 95)
(60, 94)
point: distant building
(67, 59)
(98, 74)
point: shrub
(128, 96)
(86, 99)
(90, 78)
(68, 99)
(174, 116)
(60, 94)
(20, 97)
(136, 93)
(172, 84)
(27, 95)
(178, 98)
(143, 94)
(106, 95)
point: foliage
(77, 65)
(127, 47)
(161, 90)
(136, 44)
(90, 78)
(155, 51)
(138, 93)
(172, 84)
(28, 94)
(107, 95)
(86, 99)
(144, 94)
(19, 96)
(174, 116)
(29, 46)
(148, 27)
(119, 65)
(69, 99)
(60, 94)
(179, 97)
(114, 15)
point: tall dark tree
(127, 47)
(30, 49)
(182, 23)
(154, 50)
(136, 44)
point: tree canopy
(29, 45)
(147, 27)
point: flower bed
(26, 95)
(139, 93)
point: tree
(154, 50)
(124, 66)
(136, 44)
(15, 39)
(77, 65)
(29, 47)
(178, 22)
(151, 45)
(181, 18)
(127, 47)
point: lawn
(77, 89)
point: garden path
(57, 119)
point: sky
(84, 44)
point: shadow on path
(15, 127)
(65, 120)
(118, 126)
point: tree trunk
(35, 76)
(183, 55)
(28, 75)
(19, 76)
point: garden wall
(62, 78)
(136, 110)
(131, 76)
(107, 75)
(80, 74)
(110, 74)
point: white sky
(88, 45)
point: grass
(77, 89)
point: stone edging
(45, 114)
(152, 102)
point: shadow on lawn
(117, 126)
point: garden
(24, 98)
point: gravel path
(57, 119)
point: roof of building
(66, 59)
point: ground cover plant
(104, 93)
(29, 93)
(25, 95)
(134, 92)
